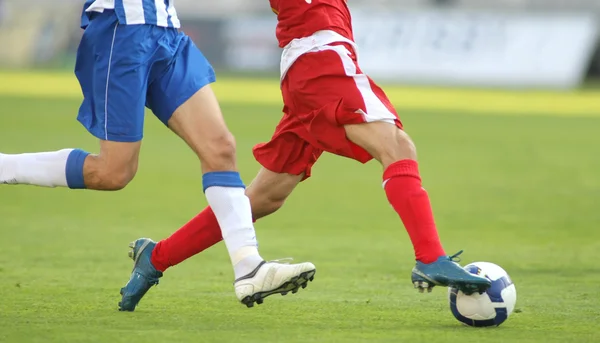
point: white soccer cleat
(273, 278)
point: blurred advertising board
(34, 36)
(433, 47)
(477, 48)
(238, 43)
(251, 44)
(463, 48)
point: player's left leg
(110, 170)
(394, 149)
(356, 120)
(113, 84)
(62, 168)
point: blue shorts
(124, 68)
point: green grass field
(513, 177)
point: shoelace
(455, 257)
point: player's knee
(264, 202)
(269, 191)
(405, 146)
(399, 147)
(266, 205)
(275, 201)
(220, 154)
(384, 141)
(100, 175)
(118, 180)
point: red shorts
(322, 92)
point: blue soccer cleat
(143, 276)
(447, 272)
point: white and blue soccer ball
(491, 308)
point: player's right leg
(267, 193)
(287, 154)
(287, 159)
(200, 124)
(182, 98)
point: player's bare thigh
(199, 122)
(368, 117)
(380, 134)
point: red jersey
(302, 18)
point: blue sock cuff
(74, 169)
(222, 179)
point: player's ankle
(428, 259)
(158, 260)
(247, 265)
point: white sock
(232, 209)
(47, 169)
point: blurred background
(502, 98)
(497, 43)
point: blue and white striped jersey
(130, 12)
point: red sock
(409, 199)
(199, 234)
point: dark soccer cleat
(446, 272)
(143, 276)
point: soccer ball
(491, 308)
